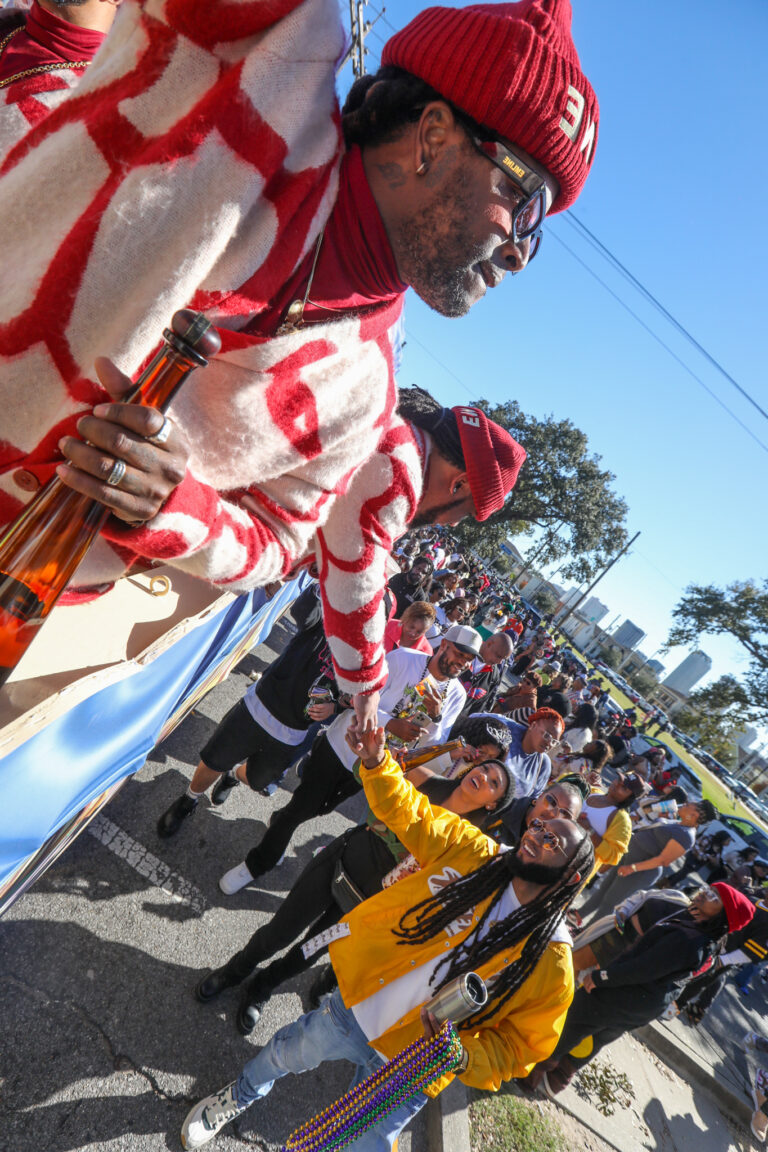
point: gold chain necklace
(40, 67)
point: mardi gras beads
(398, 1080)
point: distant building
(747, 739)
(682, 679)
(656, 667)
(628, 635)
(593, 609)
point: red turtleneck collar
(48, 39)
(355, 268)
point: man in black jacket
(261, 735)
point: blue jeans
(329, 1033)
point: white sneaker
(237, 878)
(209, 1116)
(749, 1040)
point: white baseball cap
(466, 639)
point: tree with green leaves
(716, 717)
(740, 611)
(563, 489)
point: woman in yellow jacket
(471, 907)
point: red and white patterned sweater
(195, 165)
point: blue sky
(677, 194)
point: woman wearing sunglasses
(637, 987)
(562, 800)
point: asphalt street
(104, 1046)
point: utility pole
(596, 580)
(550, 535)
(359, 29)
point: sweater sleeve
(353, 547)
(529, 1031)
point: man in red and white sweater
(203, 166)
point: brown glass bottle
(41, 549)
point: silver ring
(162, 434)
(118, 471)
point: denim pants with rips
(331, 1032)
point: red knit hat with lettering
(514, 69)
(492, 457)
(738, 909)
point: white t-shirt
(578, 738)
(405, 669)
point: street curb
(661, 1043)
(448, 1120)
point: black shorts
(239, 737)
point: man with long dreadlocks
(471, 907)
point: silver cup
(463, 996)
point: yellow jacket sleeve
(530, 1028)
(425, 831)
(616, 839)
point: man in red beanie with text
(204, 168)
(638, 985)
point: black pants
(602, 1015)
(325, 783)
(309, 908)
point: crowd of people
(504, 819)
(505, 806)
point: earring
(422, 168)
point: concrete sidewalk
(691, 1086)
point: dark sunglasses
(551, 842)
(528, 215)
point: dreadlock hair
(417, 407)
(376, 115)
(532, 923)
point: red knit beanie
(492, 457)
(514, 69)
(738, 909)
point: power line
(649, 296)
(659, 340)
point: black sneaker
(323, 986)
(171, 820)
(213, 985)
(252, 1004)
(222, 788)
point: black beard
(546, 874)
(445, 668)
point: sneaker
(252, 1003)
(749, 1040)
(237, 878)
(759, 1125)
(322, 986)
(213, 985)
(173, 818)
(222, 788)
(545, 1087)
(209, 1116)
